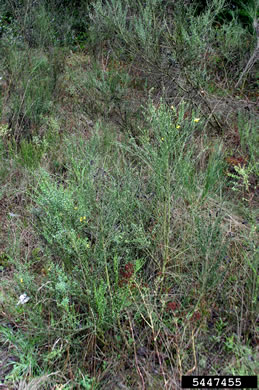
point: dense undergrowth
(128, 197)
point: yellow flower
(81, 219)
(196, 120)
(87, 245)
(162, 139)
(172, 108)
(75, 208)
(84, 218)
(21, 280)
(178, 126)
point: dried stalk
(254, 57)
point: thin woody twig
(254, 56)
(135, 353)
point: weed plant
(109, 233)
(180, 42)
(128, 249)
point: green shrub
(124, 237)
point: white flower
(23, 299)
(14, 215)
